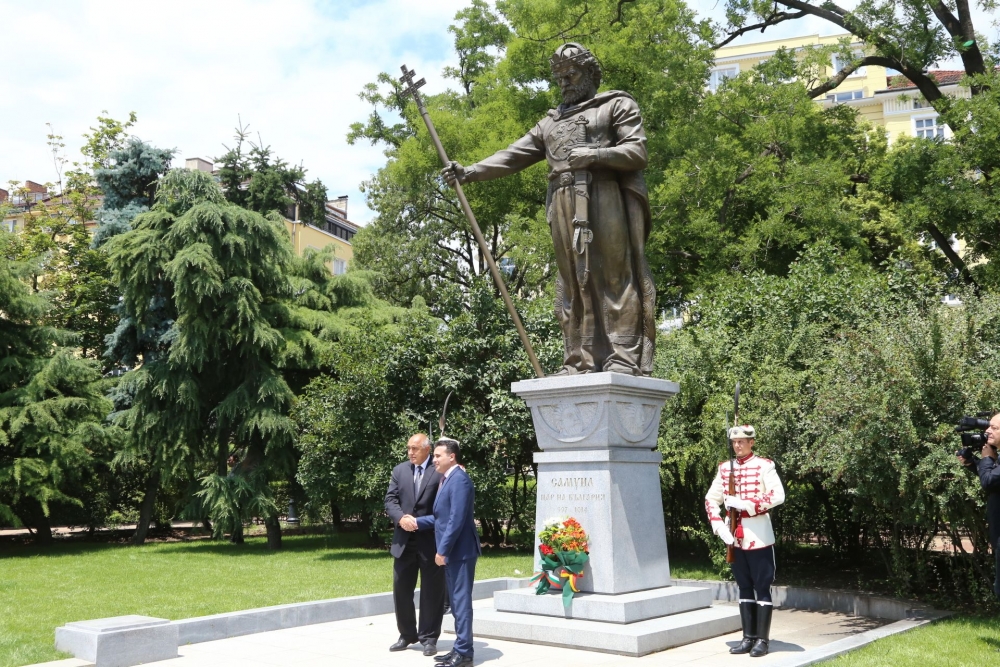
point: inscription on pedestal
(571, 496)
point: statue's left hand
(582, 158)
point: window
(846, 96)
(9, 225)
(720, 74)
(928, 128)
(839, 63)
(339, 267)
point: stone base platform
(624, 608)
(633, 624)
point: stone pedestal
(599, 464)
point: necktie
(417, 476)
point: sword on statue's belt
(582, 234)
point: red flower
(546, 550)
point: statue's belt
(566, 178)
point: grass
(41, 589)
(960, 641)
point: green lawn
(962, 641)
(41, 589)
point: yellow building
(881, 96)
(337, 231)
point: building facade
(882, 97)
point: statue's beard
(578, 93)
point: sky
(291, 70)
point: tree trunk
(273, 533)
(43, 531)
(237, 536)
(369, 525)
(336, 517)
(146, 510)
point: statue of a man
(598, 210)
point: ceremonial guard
(749, 486)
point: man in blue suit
(457, 544)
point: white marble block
(598, 464)
(121, 641)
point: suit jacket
(399, 502)
(454, 528)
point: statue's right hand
(453, 173)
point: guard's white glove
(739, 504)
(726, 534)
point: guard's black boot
(763, 630)
(748, 619)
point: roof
(943, 77)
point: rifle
(730, 555)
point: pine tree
(223, 307)
(52, 408)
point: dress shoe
(444, 658)
(401, 644)
(458, 660)
(430, 648)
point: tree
(383, 385)
(52, 408)
(219, 312)
(258, 181)
(910, 37)
(762, 173)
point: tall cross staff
(412, 89)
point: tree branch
(963, 32)
(774, 19)
(838, 79)
(945, 246)
(618, 18)
(841, 17)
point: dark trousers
(461, 575)
(996, 568)
(432, 583)
(754, 572)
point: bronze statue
(598, 210)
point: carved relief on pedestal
(635, 421)
(568, 421)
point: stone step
(624, 608)
(634, 639)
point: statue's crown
(571, 53)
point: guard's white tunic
(756, 480)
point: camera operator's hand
(988, 451)
(961, 459)
(725, 534)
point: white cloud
(290, 69)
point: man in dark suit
(411, 493)
(457, 544)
